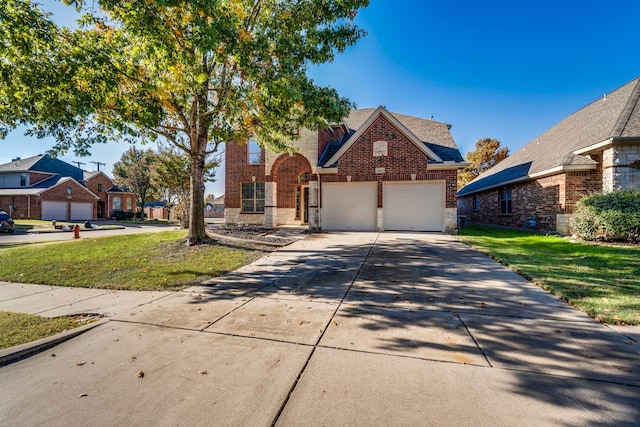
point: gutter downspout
(28, 206)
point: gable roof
(90, 175)
(566, 145)
(43, 163)
(43, 187)
(431, 137)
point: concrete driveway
(338, 329)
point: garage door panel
(349, 206)
(81, 211)
(415, 206)
(54, 210)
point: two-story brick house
(595, 149)
(42, 187)
(375, 171)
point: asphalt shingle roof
(435, 135)
(612, 116)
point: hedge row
(610, 216)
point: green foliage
(611, 215)
(194, 73)
(487, 154)
(604, 281)
(132, 172)
(127, 215)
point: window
(99, 188)
(505, 201)
(117, 204)
(23, 180)
(254, 152)
(476, 202)
(129, 204)
(69, 190)
(253, 197)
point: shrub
(611, 215)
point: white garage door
(349, 206)
(54, 210)
(81, 211)
(415, 206)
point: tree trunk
(197, 232)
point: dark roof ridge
(627, 112)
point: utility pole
(98, 164)
(79, 163)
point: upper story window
(99, 188)
(254, 152)
(505, 201)
(476, 202)
(23, 180)
(69, 191)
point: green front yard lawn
(602, 280)
(150, 261)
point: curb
(16, 353)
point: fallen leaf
(203, 372)
(81, 363)
(303, 322)
(140, 374)
(83, 395)
(252, 334)
(334, 323)
(133, 358)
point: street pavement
(336, 329)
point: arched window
(303, 178)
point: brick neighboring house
(111, 197)
(595, 149)
(41, 187)
(375, 171)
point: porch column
(270, 204)
(313, 204)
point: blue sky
(501, 69)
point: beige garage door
(349, 206)
(54, 210)
(81, 211)
(413, 206)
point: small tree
(170, 176)
(132, 172)
(487, 154)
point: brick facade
(546, 199)
(404, 161)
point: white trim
(447, 165)
(327, 171)
(593, 147)
(396, 123)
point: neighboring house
(156, 210)
(41, 187)
(375, 171)
(111, 197)
(215, 208)
(595, 149)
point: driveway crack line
(316, 345)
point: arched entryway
(291, 174)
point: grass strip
(21, 328)
(602, 280)
(150, 261)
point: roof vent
(604, 98)
(17, 159)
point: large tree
(170, 177)
(133, 172)
(487, 154)
(196, 73)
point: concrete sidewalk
(336, 329)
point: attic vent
(16, 159)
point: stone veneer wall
(621, 168)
